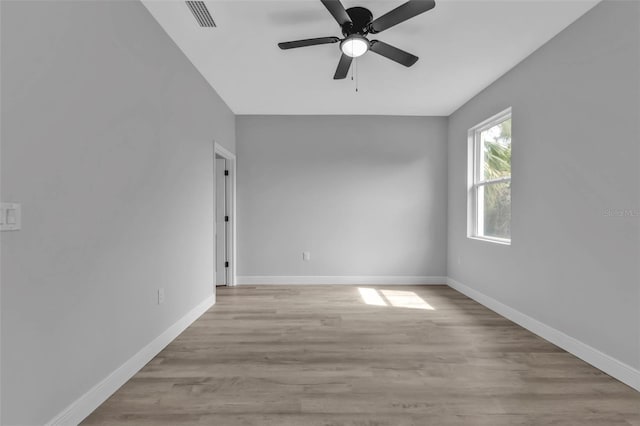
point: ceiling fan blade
(393, 53)
(401, 13)
(343, 67)
(337, 10)
(307, 42)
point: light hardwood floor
(319, 355)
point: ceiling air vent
(201, 13)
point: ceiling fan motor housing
(360, 20)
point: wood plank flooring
(321, 356)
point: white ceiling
(463, 47)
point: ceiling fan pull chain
(352, 71)
(356, 71)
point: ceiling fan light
(354, 46)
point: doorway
(224, 184)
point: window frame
(475, 178)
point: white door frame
(231, 241)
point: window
(489, 203)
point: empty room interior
(320, 212)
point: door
(222, 220)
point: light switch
(306, 255)
(10, 217)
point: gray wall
(575, 154)
(107, 136)
(365, 195)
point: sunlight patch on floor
(406, 299)
(370, 296)
(395, 298)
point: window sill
(500, 241)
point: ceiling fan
(356, 23)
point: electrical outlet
(160, 296)
(306, 256)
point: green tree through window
(497, 196)
(491, 187)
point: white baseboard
(344, 279)
(87, 403)
(617, 369)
